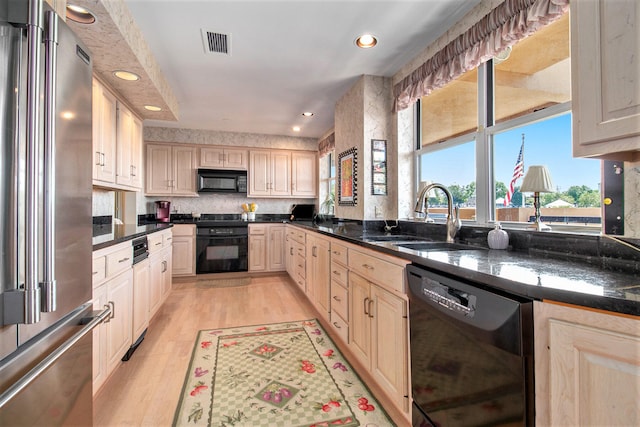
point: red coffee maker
(163, 211)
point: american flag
(518, 171)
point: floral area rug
(283, 374)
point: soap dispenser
(498, 238)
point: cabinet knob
(336, 325)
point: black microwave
(222, 181)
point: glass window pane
(536, 73)
(455, 168)
(452, 110)
(576, 181)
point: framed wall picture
(347, 175)
(378, 167)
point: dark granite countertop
(527, 275)
(109, 235)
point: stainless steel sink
(437, 246)
(392, 238)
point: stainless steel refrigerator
(46, 315)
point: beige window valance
(508, 23)
(327, 144)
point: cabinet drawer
(339, 302)
(183, 230)
(257, 230)
(338, 253)
(154, 240)
(119, 261)
(340, 326)
(296, 235)
(99, 270)
(339, 273)
(167, 238)
(386, 274)
(301, 267)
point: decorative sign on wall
(347, 173)
(378, 167)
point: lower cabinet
(318, 250)
(378, 335)
(160, 279)
(140, 311)
(587, 367)
(184, 250)
(267, 247)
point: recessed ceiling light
(126, 75)
(307, 114)
(296, 128)
(152, 108)
(366, 41)
(80, 14)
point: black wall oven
(471, 354)
(222, 248)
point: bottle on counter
(498, 238)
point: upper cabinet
(269, 173)
(171, 170)
(104, 135)
(304, 174)
(223, 158)
(117, 142)
(282, 173)
(605, 57)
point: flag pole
(523, 170)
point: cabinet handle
(366, 305)
(370, 309)
(368, 267)
(336, 252)
(98, 161)
(337, 298)
(95, 272)
(133, 170)
(336, 325)
(337, 273)
(113, 309)
(314, 251)
(291, 251)
(169, 239)
(164, 266)
(103, 157)
(158, 244)
(124, 259)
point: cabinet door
(257, 252)
(184, 171)
(211, 157)
(605, 58)
(259, 173)
(156, 267)
(140, 298)
(159, 169)
(276, 253)
(104, 133)
(235, 159)
(124, 148)
(389, 344)
(167, 270)
(280, 173)
(290, 254)
(183, 256)
(119, 329)
(359, 323)
(99, 340)
(320, 275)
(304, 174)
(136, 153)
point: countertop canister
(498, 238)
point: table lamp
(537, 180)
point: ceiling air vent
(216, 42)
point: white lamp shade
(537, 179)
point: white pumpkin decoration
(498, 238)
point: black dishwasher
(471, 353)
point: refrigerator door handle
(48, 285)
(31, 289)
(41, 367)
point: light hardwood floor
(144, 391)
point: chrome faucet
(453, 215)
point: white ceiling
(286, 56)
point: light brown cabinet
(297, 256)
(304, 174)
(129, 149)
(160, 269)
(339, 290)
(605, 58)
(171, 170)
(184, 250)
(223, 158)
(318, 254)
(267, 247)
(140, 303)
(269, 173)
(104, 135)
(587, 367)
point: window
(472, 147)
(327, 183)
